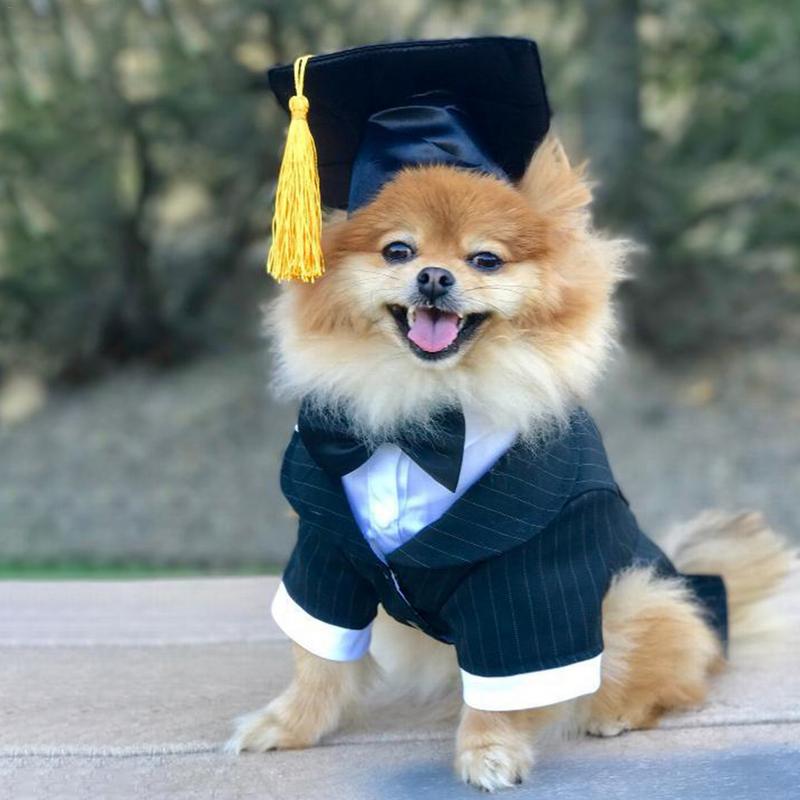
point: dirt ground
(181, 467)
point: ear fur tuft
(552, 186)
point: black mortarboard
(473, 103)
(470, 103)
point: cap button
(298, 105)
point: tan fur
(658, 656)
(547, 339)
(401, 651)
(551, 325)
(320, 695)
(659, 653)
(752, 559)
(496, 749)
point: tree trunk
(610, 113)
(135, 325)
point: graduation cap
(361, 115)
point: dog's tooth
(411, 315)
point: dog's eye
(398, 252)
(485, 261)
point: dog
(524, 326)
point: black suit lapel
(519, 496)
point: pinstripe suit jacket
(513, 575)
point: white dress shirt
(393, 499)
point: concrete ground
(127, 689)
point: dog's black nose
(434, 282)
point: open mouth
(432, 333)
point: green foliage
(133, 155)
(721, 167)
(138, 157)
(124, 571)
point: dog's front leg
(497, 749)
(320, 693)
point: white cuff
(532, 689)
(318, 637)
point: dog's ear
(552, 185)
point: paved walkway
(127, 690)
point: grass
(132, 571)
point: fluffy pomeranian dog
(526, 330)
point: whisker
(508, 288)
(495, 308)
(375, 275)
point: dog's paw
(495, 766)
(266, 730)
(608, 727)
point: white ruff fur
(381, 384)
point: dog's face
(439, 264)
(455, 287)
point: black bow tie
(437, 448)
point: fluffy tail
(754, 562)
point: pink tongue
(432, 331)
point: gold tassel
(296, 250)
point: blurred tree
(138, 158)
(133, 152)
(610, 111)
(138, 150)
(702, 165)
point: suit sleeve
(322, 603)
(528, 626)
